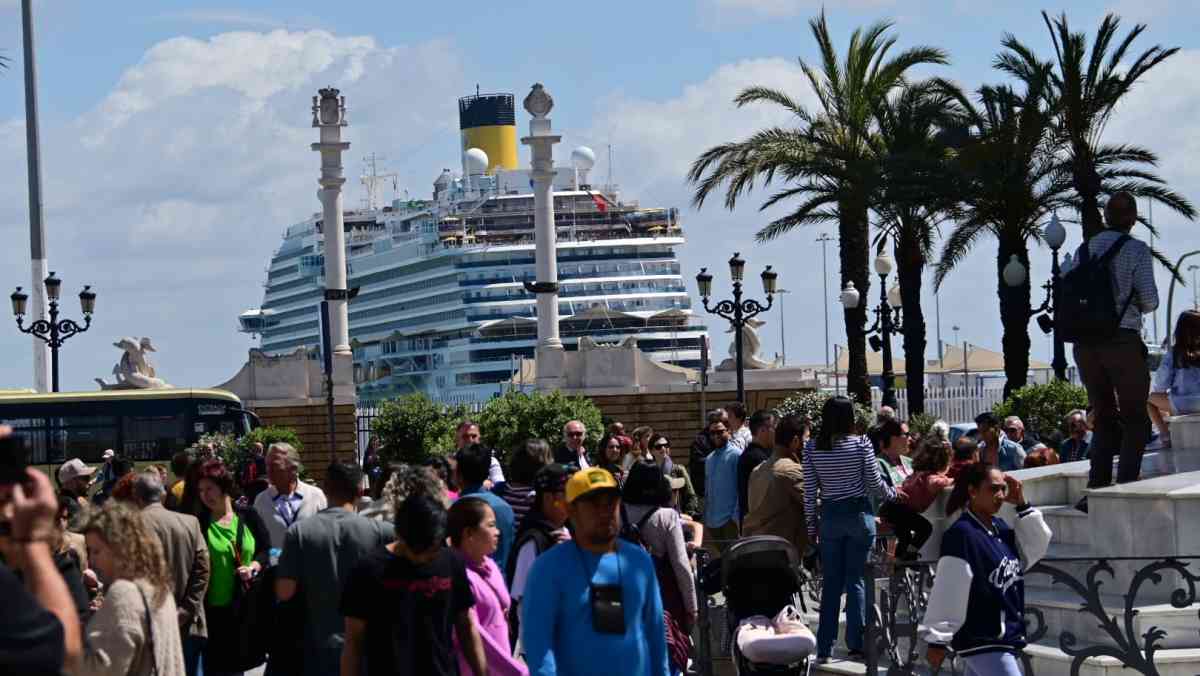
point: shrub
(270, 435)
(920, 423)
(808, 406)
(1043, 407)
(413, 428)
(514, 417)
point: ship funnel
(488, 122)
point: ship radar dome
(475, 161)
(583, 157)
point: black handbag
(252, 605)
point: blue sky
(176, 141)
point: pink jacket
(922, 488)
(491, 618)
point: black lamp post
(887, 322)
(1014, 275)
(738, 311)
(54, 332)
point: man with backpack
(1102, 300)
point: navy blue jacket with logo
(978, 600)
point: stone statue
(134, 371)
(750, 345)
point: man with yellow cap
(592, 605)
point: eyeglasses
(662, 445)
(574, 434)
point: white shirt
(279, 513)
(742, 437)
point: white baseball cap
(73, 469)
(108, 454)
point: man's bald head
(1121, 212)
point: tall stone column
(541, 140)
(329, 115)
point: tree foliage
(808, 406)
(1043, 407)
(413, 428)
(514, 417)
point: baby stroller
(760, 576)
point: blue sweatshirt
(556, 614)
(978, 600)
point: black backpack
(1087, 309)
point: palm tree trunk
(1087, 185)
(1014, 316)
(853, 252)
(910, 267)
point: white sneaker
(789, 621)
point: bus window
(84, 437)
(153, 437)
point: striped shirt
(1132, 273)
(848, 470)
(520, 498)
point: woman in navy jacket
(977, 605)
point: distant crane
(373, 180)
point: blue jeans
(845, 536)
(193, 647)
(991, 664)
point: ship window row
(281, 272)
(302, 326)
(287, 344)
(292, 254)
(527, 259)
(432, 318)
(577, 253)
(592, 289)
(575, 271)
(400, 271)
(294, 298)
(568, 309)
(306, 311)
(423, 285)
(406, 305)
(286, 286)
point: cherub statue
(750, 345)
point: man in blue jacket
(592, 605)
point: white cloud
(171, 192)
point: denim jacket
(1181, 385)
(1011, 456)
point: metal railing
(893, 620)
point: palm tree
(1084, 89)
(1009, 180)
(826, 160)
(912, 201)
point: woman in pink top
(473, 532)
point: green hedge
(1043, 407)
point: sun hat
(551, 479)
(108, 453)
(73, 469)
(590, 481)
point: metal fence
(952, 404)
(369, 410)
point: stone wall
(310, 422)
(678, 415)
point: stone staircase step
(1060, 609)
(1069, 525)
(1050, 661)
(1062, 550)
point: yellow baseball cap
(591, 480)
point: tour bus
(140, 425)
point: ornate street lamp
(1014, 274)
(887, 321)
(54, 331)
(738, 311)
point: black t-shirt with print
(409, 610)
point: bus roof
(18, 397)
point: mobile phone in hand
(14, 458)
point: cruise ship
(441, 307)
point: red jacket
(922, 488)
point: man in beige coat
(777, 489)
(187, 559)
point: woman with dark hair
(441, 466)
(474, 536)
(525, 461)
(404, 602)
(911, 529)
(1176, 387)
(609, 454)
(238, 546)
(840, 468)
(647, 496)
(980, 575)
